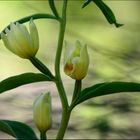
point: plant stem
(59, 83)
(77, 89)
(53, 8)
(34, 16)
(65, 113)
(64, 124)
(41, 67)
(76, 93)
(43, 136)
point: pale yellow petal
(15, 48)
(21, 39)
(42, 112)
(34, 36)
(5, 40)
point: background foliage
(114, 55)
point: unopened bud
(42, 112)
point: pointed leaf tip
(108, 13)
(118, 25)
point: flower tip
(76, 61)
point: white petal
(5, 40)
(7, 30)
(84, 59)
(84, 55)
(22, 40)
(68, 52)
(25, 31)
(79, 71)
(14, 47)
(34, 35)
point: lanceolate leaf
(17, 129)
(107, 12)
(22, 79)
(107, 88)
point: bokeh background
(114, 55)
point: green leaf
(22, 79)
(107, 12)
(17, 129)
(86, 2)
(107, 88)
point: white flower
(42, 114)
(19, 41)
(76, 61)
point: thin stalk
(77, 89)
(59, 83)
(53, 8)
(43, 136)
(41, 67)
(76, 93)
(64, 124)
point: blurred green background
(114, 55)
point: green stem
(59, 83)
(41, 67)
(76, 93)
(53, 8)
(34, 16)
(43, 136)
(77, 89)
(64, 124)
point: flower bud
(19, 41)
(76, 61)
(42, 114)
